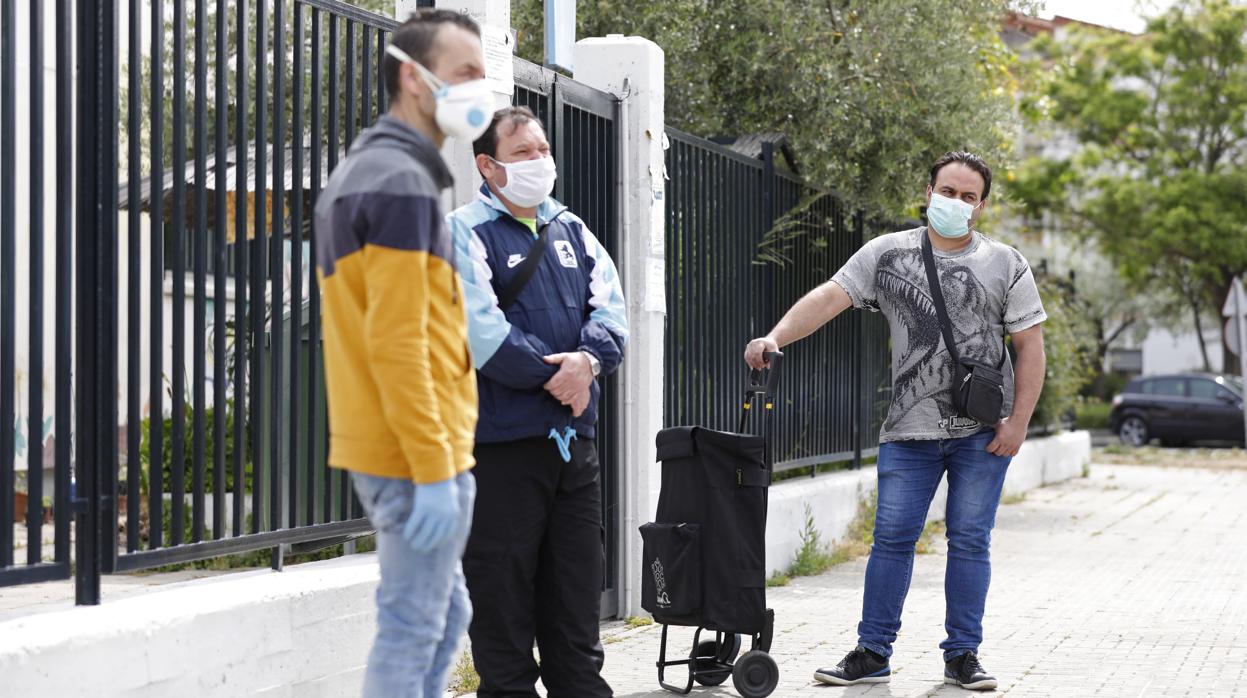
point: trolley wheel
(755, 675)
(709, 655)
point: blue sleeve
(605, 331)
(501, 352)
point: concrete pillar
(631, 68)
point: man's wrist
(594, 363)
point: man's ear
(485, 165)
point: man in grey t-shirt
(989, 292)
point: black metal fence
(189, 420)
(745, 239)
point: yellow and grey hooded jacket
(401, 389)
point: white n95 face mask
(463, 110)
(529, 182)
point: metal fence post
(859, 237)
(769, 312)
(96, 422)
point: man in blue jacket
(546, 319)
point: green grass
(464, 679)
(778, 579)
(1092, 414)
(813, 557)
(638, 622)
(1013, 498)
(816, 557)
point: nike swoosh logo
(514, 261)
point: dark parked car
(1178, 409)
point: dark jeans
(534, 567)
(909, 472)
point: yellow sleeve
(397, 344)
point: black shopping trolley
(705, 554)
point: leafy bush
(1070, 347)
(188, 464)
(1092, 414)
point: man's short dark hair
(968, 159)
(417, 37)
(487, 144)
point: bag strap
(937, 296)
(526, 271)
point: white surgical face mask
(463, 110)
(949, 217)
(529, 182)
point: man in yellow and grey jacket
(401, 389)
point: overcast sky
(1119, 14)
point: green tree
(1160, 177)
(869, 92)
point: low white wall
(304, 632)
(833, 499)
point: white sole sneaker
(837, 681)
(984, 685)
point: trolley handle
(763, 385)
(757, 384)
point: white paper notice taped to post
(499, 65)
(655, 285)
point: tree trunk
(1199, 332)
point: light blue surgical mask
(948, 217)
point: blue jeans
(423, 609)
(909, 472)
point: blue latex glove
(434, 515)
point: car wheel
(1133, 432)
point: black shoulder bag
(526, 271)
(978, 388)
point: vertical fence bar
(335, 98)
(259, 307)
(380, 73)
(220, 400)
(64, 275)
(242, 416)
(96, 423)
(177, 465)
(156, 207)
(313, 291)
(108, 151)
(859, 234)
(277, 281)
(335, 95)
(296, 256)
(350, 83)
(134, 274)
(8, 306)
(200, 237)
(366, 100)
(34, 462)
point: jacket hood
(392, 133)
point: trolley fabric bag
(717, 482)
(704, 555)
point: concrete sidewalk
(1132, 582)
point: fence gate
(580, 123)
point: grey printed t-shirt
(989, 291)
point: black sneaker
(859, 666)
(965, 671)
